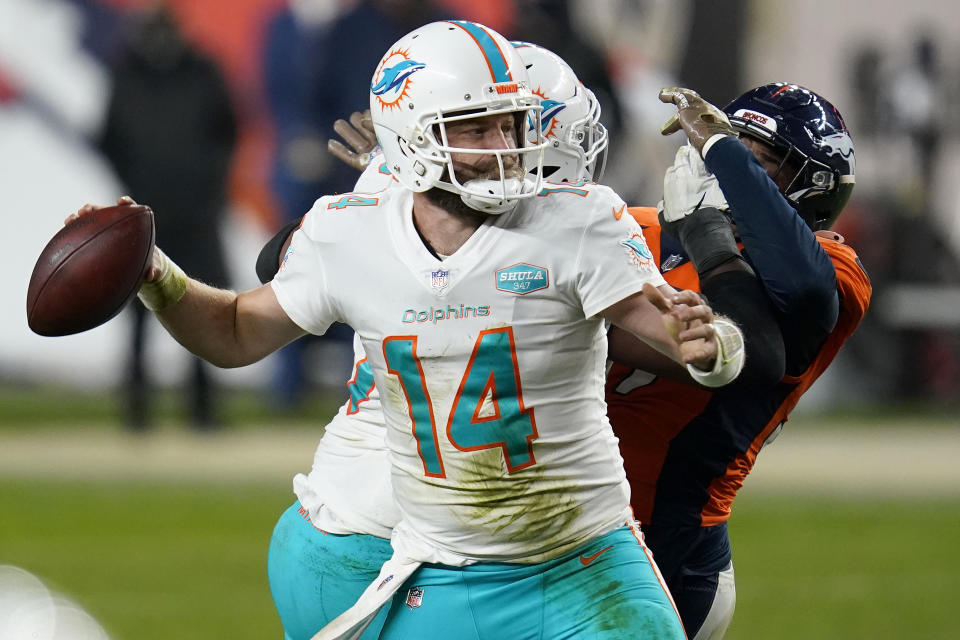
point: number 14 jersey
(490, 363)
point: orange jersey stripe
(648, 413)
(855, 292)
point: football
(90, 270)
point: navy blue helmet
(811, 134)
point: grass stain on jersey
(523, 506)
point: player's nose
(497, 136)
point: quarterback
(330, 544)
(514, 516)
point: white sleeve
(613, 259)
(301, 283)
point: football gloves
(699, 119)
(358, 133)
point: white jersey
(348, 489)
(490, 363)
(376, 176)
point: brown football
(90, 270)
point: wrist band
(712, 140)
(165, 290)
(730, 356)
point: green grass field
(188, 562)
(822, 568)
(150, 562)
(178, 557)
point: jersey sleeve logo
(522, 278)
(638, 251)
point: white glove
(688, 185)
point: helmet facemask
(813, 141)
(439, 75)
(816, 191)
(510, 179)
(579, 152)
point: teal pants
(315, 576)
(606, 590)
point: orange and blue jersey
(687, 450)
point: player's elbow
(765, 362)
(815, 306)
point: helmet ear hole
(549, 170)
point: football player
(575, 153)
(330, 544)
(684, 458)
(784, 161)
(486, 338)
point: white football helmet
(570, 120)
(445, 72)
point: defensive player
(487, 343)
(687, 451)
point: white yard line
(882, 461)
(911, 461)
(169, 454)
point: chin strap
(493, 196)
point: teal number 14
(491, 373)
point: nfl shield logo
(439, 279)
(414, 597)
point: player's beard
(488, 169)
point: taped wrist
(730, 356)
(166, 290)
(706, 237)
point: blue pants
(605, 590)
(691, 560)
(315, 576)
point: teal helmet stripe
(496, 61)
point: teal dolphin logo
(550, 110)
(394, 77)
(547, 116)
(637, 249)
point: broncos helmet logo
(840, 144)
(394, 78)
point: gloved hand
(359, 134)
(692, 211)
(688, 186)
(699, 119)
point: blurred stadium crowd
(291, 67)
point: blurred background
(217, 112)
